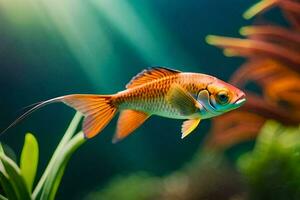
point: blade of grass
(55, 176)
(3, 197)
(29, 160)
(4, 179)
(15, 177)
(7, 187)
(67, 136)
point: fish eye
(222, 97)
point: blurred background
(50, 48)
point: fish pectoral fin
(188, 126)
(182, 100)
(203, 97)
(128, 121)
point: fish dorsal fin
(150, 74)
(188, 126)
(182, 100)
(128, 121)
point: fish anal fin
(150, 74)
(188, 126)
(128, 121)
(183, 100)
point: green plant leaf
(55, 176)
(15, 178)
(57, 180)
(67, 136)
(29, 160)
(7, 187)
(3, 197)
(4, 179)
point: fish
(159, 91)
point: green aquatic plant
(272, 169)
(18, 181)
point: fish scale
(151, 97)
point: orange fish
(155, 91)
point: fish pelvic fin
(128, 121)
(97, 109)
(188, 126)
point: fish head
(224, 96)
(220, 97)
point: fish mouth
(241, 100)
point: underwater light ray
(80, 29)
(143, 32)
(74, 22)
(105, 8)
(22, 13)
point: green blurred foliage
(140, 186)
(272, 169)
(209, 177)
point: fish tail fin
(97, 109)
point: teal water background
(53, 48)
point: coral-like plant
(273, 64)
(18, 181)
